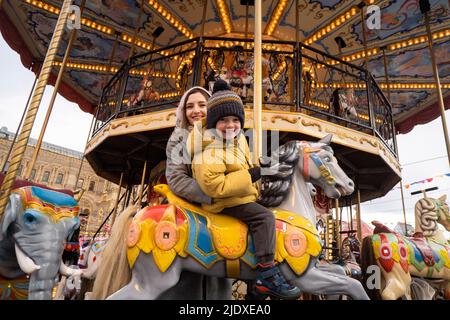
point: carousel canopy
(332, 26)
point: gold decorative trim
(292, 120)
(374, 144)
(146, 122)
(307, 123)
(125, 123)
(171, 114)
(341, 134)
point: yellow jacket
(221, 169)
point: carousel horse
(343, 102)
(148, 250)
(146, 93)
(426, 254)
(33, 230)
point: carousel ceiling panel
(400, 20)
(414, 64)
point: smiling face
(195, 107)
(228, 127)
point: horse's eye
(327, 159)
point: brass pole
(205, 8)
(246, 20)
(141, 191)
(257, 99)
(19, 149)
(111, 57)
(133, 45)
(386, 75)
(297, 36)
(116, 203)
(338, 225)
(438, 85)
(16, 134)
(73, 36)
(363, 26)
(358, 216)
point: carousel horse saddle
(423, 247)
(185, 229)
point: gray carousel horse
(149, 249)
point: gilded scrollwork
(308, 123)
(292, 120)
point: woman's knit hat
(223, 103)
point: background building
(57, 167)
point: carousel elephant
(33, 230)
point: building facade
(57, 167)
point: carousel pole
(338, 225)
(18, 127)
(116, 203)
(111, 57)
(44, 75)
(133, 45)
(73, 36)
(388, 89)
(205, 8)
(257, 99)
(246, 19)
(363, 26)
(141, 191)
(425, 8)
(358, 215)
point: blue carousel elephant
(33, 230)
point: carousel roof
(109, 26)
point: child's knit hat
(223, 103)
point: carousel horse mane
(275, 188)
(114, 258)
(428, 213)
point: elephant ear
(10, 214)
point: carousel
(349, 74)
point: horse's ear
(326, 139)
(443, 198)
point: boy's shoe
(271, 282)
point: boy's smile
(228, 127)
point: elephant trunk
(40, 289)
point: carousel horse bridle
(311, 153)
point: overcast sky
(69, 127)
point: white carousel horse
(148, 251)
(426, 254)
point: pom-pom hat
(223, 103)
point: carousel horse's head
(314, 161)
(320, 167)
(429, 212)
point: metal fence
(295, 78)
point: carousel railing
(296, 78)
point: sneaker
(271, 282)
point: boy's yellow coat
(221, 169)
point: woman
(192, 107)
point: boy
(224, 171)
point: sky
(422, 151)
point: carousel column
(425, 8)
(73, 36)
(257, 99)
(338, 226)
(141, 190)
(358, 215)
(116, 203)
(18, 127)
(44, 75)
(388, 90)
